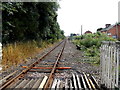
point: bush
(90, 43)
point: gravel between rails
(73, 58)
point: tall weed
(14, 54)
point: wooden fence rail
(109, 60)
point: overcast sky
(91, 14)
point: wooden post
(109, 62)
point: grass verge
(14, 54)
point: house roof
(111, 26)
(88, 32)
(105, 29)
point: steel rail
(51, 76)
(23, 72)
(5, 78)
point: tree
(25, 21)
(99, 29)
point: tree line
(23, 21)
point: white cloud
(92, 14)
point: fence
(109, 60)
(0, 51)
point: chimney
(107, 25)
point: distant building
(107, 27)
(112, 31)
(88, 32)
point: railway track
(46, 74)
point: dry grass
(14, 54)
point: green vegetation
(27, 28)
(90, 44)
(24, 21)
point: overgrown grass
(14, 54)
(90, 44)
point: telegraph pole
(81, 30)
